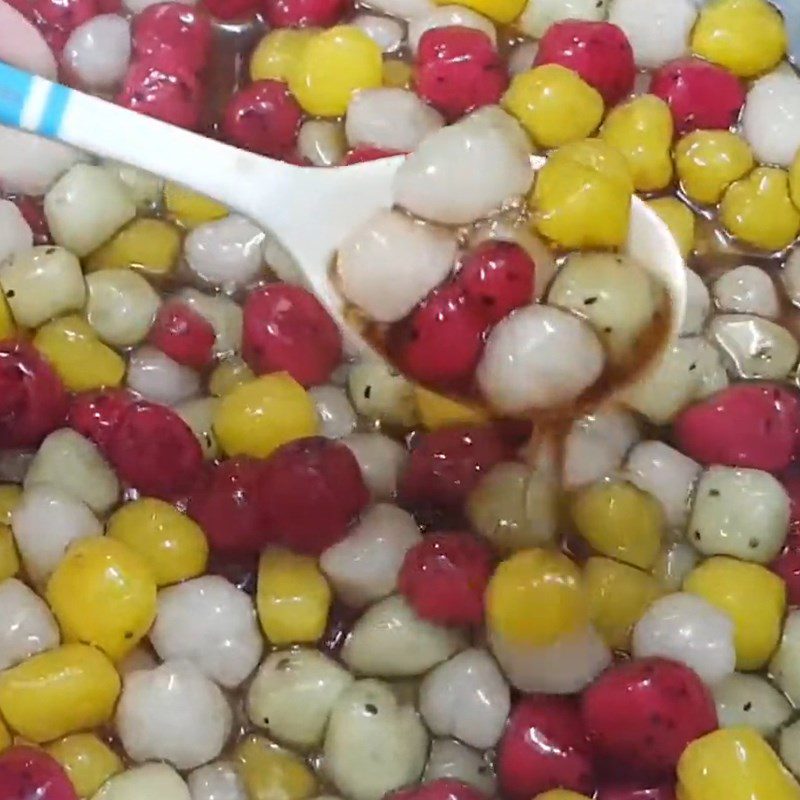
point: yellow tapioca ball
(278, 52)
(189, 208)
(498, 10)
(679, 218)
(88, 762)
(149, 245)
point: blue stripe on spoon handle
(30, 102)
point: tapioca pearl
(596, 446)
(391, 119)
(216, 781)
(771, 118)
(739, 512)
(374, 744)
(336, 415)
(666, 474)
(451, 759)
(789, 747)
(686, 628)
(31, 164)
(149, 780)
(387, 33)
(156, 377)
(364, 566)
(614, 294)
(26, 625)
(515, 507)
(672, 383)
(658, 30)
(322, 142)
(137, 6)
(121, 306)
(466, 698)
(16, 235)
(390, 640)
(446, 17)
(675, 561)
(65, 518)
(226, 253)
(464, 172)
(538, 16)
(225, 317)
(69, 461)
(566, 667)
(790, 276)
(754, 347)
(211, 623)
(521, 57)
(712, 375)
(144, 188)
(403, 9)
(173, 713)
(747, 290)
(745, 699)
(41, 283)
(784, 668)
(85, 207)
(539, 357)
(381, 460)
(293, 694)
(198, 414)
(698, 304)
(380, 393)
(98, 52)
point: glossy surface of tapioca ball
(30, 772)
(148, 780)
(268, 770)
(17, 232)
(183, 335)
(745, 699)
(98, 51)
(336, 414)
(771, 113)
(539, 357)
(224, 314)
(381, 394)
(173, 32)
(458, 69)
(87, 760)
(680, 220)
(451, 759)
(783, 666)
(218, 780)
(151, 246)
(26, 625)
(304, 13)
(699, 94)
(276, 54)
(449, 16)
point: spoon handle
(213, 168)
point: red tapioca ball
(29, 773)
(183, 334)
(172, 30)
(95, 415)
(304, 13)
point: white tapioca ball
(336, 416)
(688, 629)
(121, 306)
(293, 694)
(464, 172)
(363, 567)
(222, 313)
(565, 667)
(98, 51)
(322, 142)
(156, 377)
(198, 414)
(71, 462)
(45, 522)
(467, 698)
(712, 375)
(216, 781)
(26, 625)
(658, 30)
(387, 33)
(87, 206)
(16, 236)
(539, 15)
(381, 393)
(31, 164)
(41, 283)
(373, 744)
(390, 641)
(451, 759)
(381, 460)
(754, 347)
(698, 304)
(392, 119)
(404, 9)
(789, 747)
(739, 512)
(539, 357)
(744, 699)
(446, 17)
(675, 561)
(391, 263)
(771, 118)
(225, 253)
(148, 781)
(666, 474)
(211, 623)
(144, 188)
(173, 713)
(613, 293)
(785, 665)
(747, 290)
(596, 445)
(790, 276)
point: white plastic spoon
(309, 210)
